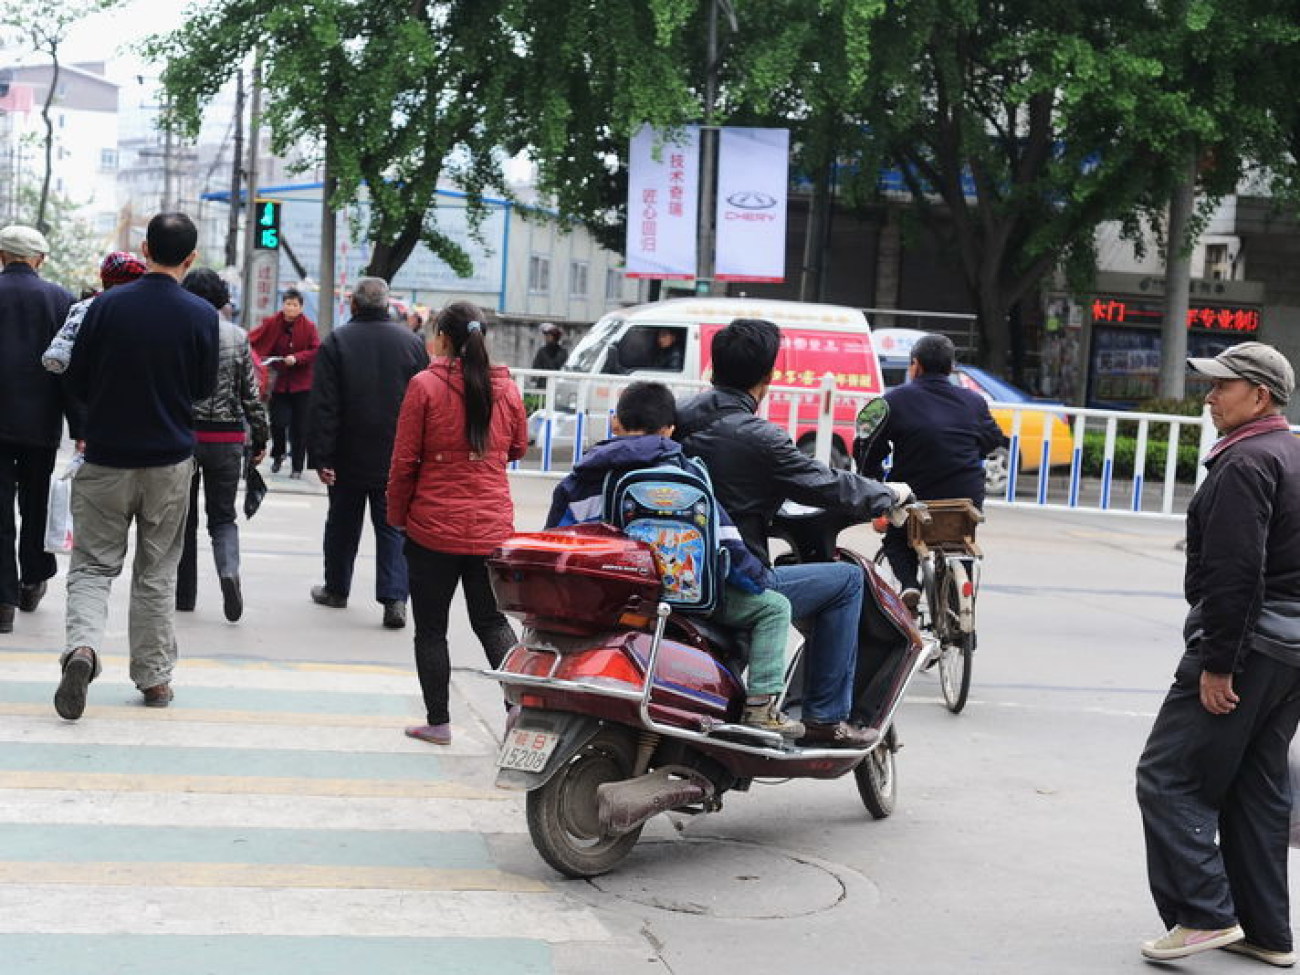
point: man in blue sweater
(146, 352)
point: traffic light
(267, 237)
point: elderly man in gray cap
(32, 407)
(1215, 763)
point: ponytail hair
(463, 324)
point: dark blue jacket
(579, 497)
(146, 352)
(940, 435)
(32, 401)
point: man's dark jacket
(361, 373)
(940, 435)
(1243, 554)
(755, 466)
(32, 401)
(145, 353)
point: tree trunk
(1178, 282)
(995, 335)
(41, 223)
(387, 257)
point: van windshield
(592, 347)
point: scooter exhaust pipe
(623, 806)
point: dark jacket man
(755, 466)
(362, 371)
(1212, 783)
(940, 435)
(32, 401)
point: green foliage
(1094, 452)
(75, 249)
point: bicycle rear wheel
(955, 647)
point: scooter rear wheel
(877, 780)
(562, 814)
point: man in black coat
(1212, 783)
(939, 434)
(32, 407)
(362, 371)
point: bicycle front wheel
(955, 646)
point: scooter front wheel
(877, 781)
(562, 814)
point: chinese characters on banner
(265, 301)
(753, 175)
(662, 204)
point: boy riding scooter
(644, 421)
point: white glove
(903, 492)
(897, 516)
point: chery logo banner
(753, 173)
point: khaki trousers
(105, 501)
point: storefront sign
(1206, 317)
(663, 204)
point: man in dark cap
(1215, 764)
(552, 353)
(32, 408)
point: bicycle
(942, 533)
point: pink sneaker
(1179, 942)
(435, 734)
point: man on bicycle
(755, 467)
(939, 434)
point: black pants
(434, 577)
(24, 477)
(218, 466)
(1203, 774)
(343, 523)
(289, 412)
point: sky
(106, 36)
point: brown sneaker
(158, 696)
(762, 712)
(70, 698)
(841, 734)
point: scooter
(628, 709)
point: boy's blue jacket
(579, 497)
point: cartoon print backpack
(672, 508)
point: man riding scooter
(755, 468)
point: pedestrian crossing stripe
(231, 784)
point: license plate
(527, 751)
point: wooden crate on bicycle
(947, 525)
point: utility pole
(708, 163)
(169, 150)
(236, 175)
(250, 224)
(328, 227)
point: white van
(670, 341)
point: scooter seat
(729, 645)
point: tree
(45, 27)
(75, 248)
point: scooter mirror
(871, 418)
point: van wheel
(840, 461)
(997, 471)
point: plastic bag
(58, 515)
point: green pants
(767, 617)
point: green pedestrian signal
(267, 236)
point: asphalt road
(1015, 847)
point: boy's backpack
(672, 508)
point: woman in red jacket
(289, 340)
(462, 421)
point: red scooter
(628, 709)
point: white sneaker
(1281, 959)
(1179, 942)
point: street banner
(753, 175)
(663, 204)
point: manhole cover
(725, 879)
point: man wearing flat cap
(32, 408)
(1215, 764)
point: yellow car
(1033, 425)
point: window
(577, 279)
(1218, 262)
(613, 284)
(539, 275)
(108, 159)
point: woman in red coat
(289, 340)
(462, 422)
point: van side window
(648, 347)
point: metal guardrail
(575, 410)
